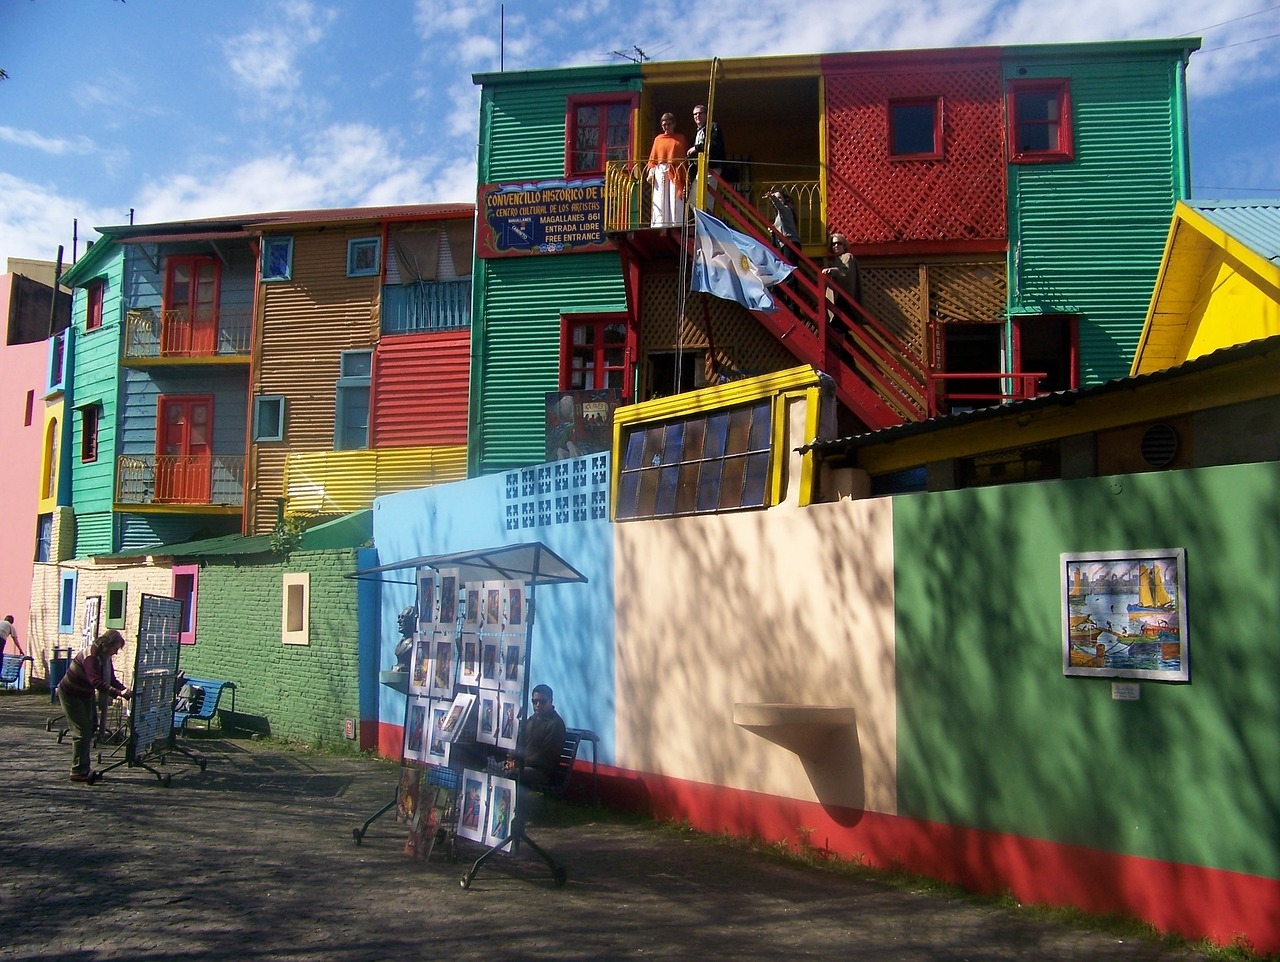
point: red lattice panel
(960, 198)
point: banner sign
(541, 217)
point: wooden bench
(210, 694)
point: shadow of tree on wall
(992, 734)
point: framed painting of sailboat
(1124, 614)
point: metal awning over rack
(530, 561)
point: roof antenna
(638, 57)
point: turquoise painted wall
(992, 735)
(564, 505)
(1086, 236)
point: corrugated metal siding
(138, 531)
(1088, 235)
(1255, 225)
(524, 128)
(307, 323)
(93, 533)
(339, 482)
(519, 358)
(420, 385)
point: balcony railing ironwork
(207, 479)
(172, 334)
(426, 306)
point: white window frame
(295, 609)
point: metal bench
(210, 695)
(11, 670)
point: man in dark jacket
(541, 738)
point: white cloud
(34, 220)
(46, 145)
(265, 59)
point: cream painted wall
(807, 617)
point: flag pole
(700, 197)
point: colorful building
(1007, 206)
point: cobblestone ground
(254, 859)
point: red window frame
(936, 104)
(595, 347)
(89, 418)
(94, 293)
(602, 149)
(192, 327)
(1064, 149)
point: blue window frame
(351, 414)
(67, 602)
(364, 257)
(59, 350)
(277, 258)
(268, 417)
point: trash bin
(58, 666)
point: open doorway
(970, 349)
(673, 372)
(1047, 344)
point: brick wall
(303, 692)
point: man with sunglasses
(540, 740)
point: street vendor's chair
(11, 669)
(557, 786)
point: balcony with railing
(175, 336)
(426, 306)
(214, 481)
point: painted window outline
(268, 424)
(115, 611)
(364, 257)
(599, 367)
(277, 259)
(295, 608)
(1058, 146)
(591, 158)
(900, 128)
(56, 374)
(184, 576)
(95, 293)
(90, 423)
(668, 471)
(353, 380)
(67, 601)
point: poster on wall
(471, 820)
(541, 217)
(1124, 614)
(502, 803)
(92, 619)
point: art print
(437, 747)
(455, 722)
(471, 820)
(515, 604)
(442, 666)
(420, 671)
(487, 723)
(471, 613)
(1124, 614)
(502, 806)
(508, 727)
(512, 674)
(408, 794)
(448, 613)
(492, 607)
(426, 597)
(490, 660)
(415, 730)
(469, 666)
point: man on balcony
(709, 142)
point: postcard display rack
(466, 687)
(155, 671)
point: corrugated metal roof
(349, 531)
(1227, 355)
(1255, 223)
(267, 219)
(193, 236)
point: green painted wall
(992, 735)
(1086, 236)
(303, 692)
(518, 300)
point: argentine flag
(734, 266)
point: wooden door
(184, 459)
(191, 308)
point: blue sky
(179, 108)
